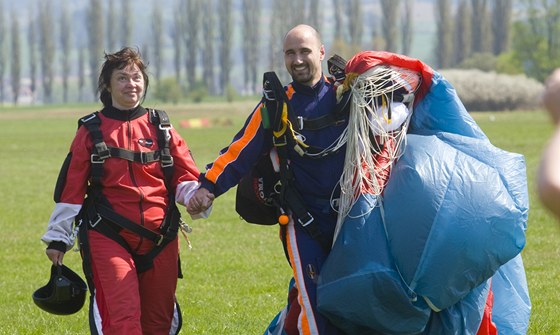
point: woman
(136, 167)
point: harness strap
(274, 97)
(335, 118)
(84, 244)
(319, 123)
(161, 119)
(277, 115)
(109, 214)
(100, 150)
(277, 102)
(143, 157)
(113, 222)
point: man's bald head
(306, 30)
(303, 54)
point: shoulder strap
(160, 119)
(277, 108)
(100, 152)
(338, 116)
(274, 97)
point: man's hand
(201, 200)
(551, 96)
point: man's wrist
(206, 184)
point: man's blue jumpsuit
(315, 179)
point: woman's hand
(55, 256)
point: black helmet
(64, 294)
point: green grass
(236, 275)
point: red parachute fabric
(365, 60)
(487, 327)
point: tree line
(198, 36)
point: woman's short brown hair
(119, 60)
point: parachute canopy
(453, 215)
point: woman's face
(126, 87)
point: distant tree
(444, 44)
(47, 45)
(168, 90)
(338, 12)
(3, 52)
(157, 38)
(127, 23)
(95, 31)
(314, 15)
(275, 54)
(340, 44)
(208, 47)
(65, 46)
(377, 41)
(407, 26)
(15, 74)
(536, 38)
(81, 72)
(389, 19)
(501, 25)
(286, 15)
(462, 33)
(145, 52)
(225, 22)
(251, 35)
(32, 30)
(176, 32)
(191, 28)
(112, 29)
(355, 24)
(481, 31)
(298, 10)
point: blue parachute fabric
(441, 110)
(464, 317)
(512, 306)
(455, 211)
(360, 289)
(276, 326)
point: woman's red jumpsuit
(125, 302)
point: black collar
(124, 115)
(309, 90)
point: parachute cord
(372, 149)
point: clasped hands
(200, 201)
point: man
(311, 95)
(549, 177)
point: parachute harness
(380, 111)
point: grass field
(235, 275)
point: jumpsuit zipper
(133, 179)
